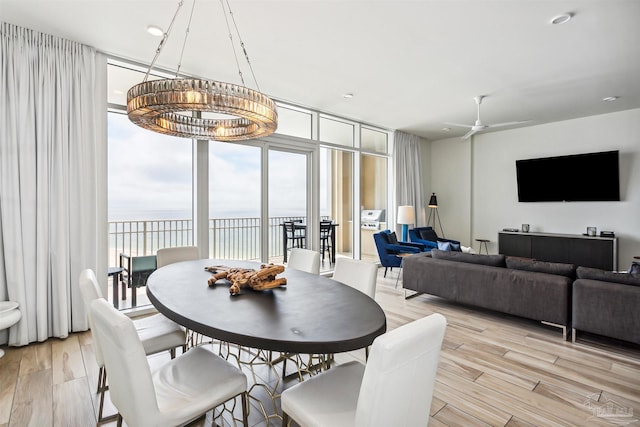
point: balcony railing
(229, 238)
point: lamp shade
(433, 201)
(406, 215)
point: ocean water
(115, 214)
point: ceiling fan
(478, 126)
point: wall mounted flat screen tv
(577, 178)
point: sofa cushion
(527, 264)
(607, 276)
(491, 260)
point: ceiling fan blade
(500, 125)
(470, 133)
(459, 125)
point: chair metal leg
(245, 410)
(119, 420)
(285, 419)
(100, 381)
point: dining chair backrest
(361, 275)
(130, 383)
(166, 256)
(398, 381)
(290, 229)
(326, 228)
(90, 291)
(305, 260)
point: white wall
(476, 181)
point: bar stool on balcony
(327, 240)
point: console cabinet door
(514, 244)
(595, 253)
(552, 249)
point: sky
(149, 177)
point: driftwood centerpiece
(258, 280)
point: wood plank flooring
(495, 370)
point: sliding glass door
(234, 201)
(288, 201)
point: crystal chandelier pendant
(157, 105)
(176, 106)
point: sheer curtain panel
(53, 115)
(408, 171)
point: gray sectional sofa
(583, 299)
(606, 303)
(527, 288)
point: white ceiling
(411, 65)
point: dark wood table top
(311, 314)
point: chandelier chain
(165, 36)
(244, 50)
(233, 46)
(186, 36)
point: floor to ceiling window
(149, 181)
(336, 196)
(373, 187)
(287, 202)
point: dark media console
(584, 251)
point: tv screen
(576, 178)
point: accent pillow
(393, 239)
(526, 264)
(490, 260)
(607, 276)
(444, 246)
(449, 246)
(428, 235)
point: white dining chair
(166, 256)
(361, 275)
(176, 393)
(395, 387)
(157, 333)
(305, 260)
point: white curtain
(53, 115)
(408, 170)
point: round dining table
(310, 314)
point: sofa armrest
(404, 248)
(428, 244)
(605, 308)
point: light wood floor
(495, 370)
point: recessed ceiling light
(155, 30)
(446, 129)
(561, 19)
(610, 98)
(347, 95)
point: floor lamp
(433, 212)
(406, 216)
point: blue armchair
(389, 247)
(428, 237)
